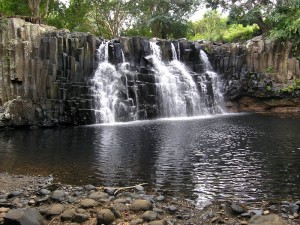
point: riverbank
(41, 201)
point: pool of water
(242, 156)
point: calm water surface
(243, 156)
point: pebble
(158, 222)
(237, 208)
(160, 198)
(141, 205)
(80, 218)
(172, 208)
(4, 210)
(55, 209)
(68, 214)
(105, 216)
(44, 192)
(58, 195)
(98, 195)
(89, 187)
(88, 203)
(266, 212)
(149, 216)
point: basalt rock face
(45, 75)
(258, 75)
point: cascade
(210, 87)
(110, 93)
(122, 93)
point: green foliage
(286, 20)
(214, 27)
(291, 88)
(268, 88)
(14, 7)
(238, 32)
(269, 70)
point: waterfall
(110, 90)
(210, 86)
(164, 89)
(177, 91)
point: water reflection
(246, 157)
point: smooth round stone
(158, 222)
(55, 209)
(80, 218)
(89, 187)
(237, 208)
(88, 203)
(120, 200)
(105, 216)
(137, 221)
(68, 214)
(4, 210)
(160, 198)
(141, 205)
(172, 208)
(31, 202)
(149, 216)
(58, 195)
(267, 220)
(99, 195)
(44, 192)
(14, 194)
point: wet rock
(89, 187)
(110, 191)
(158, 222)
(120, 200)
(267, 220)
(105, 216)
(120, 207)
(44, 192)
(137, 221)
(88, 203)
(58, 195)
(55, 210)
(80, 218)
(149, 216)
(4, 210)
(68, 214)
(172, 208)
(98, 195)
(141, 205)
(237, 208)
(28, 216)
(14, 194)
(160, 198)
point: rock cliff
(45, 74)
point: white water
(178, 94)
(216, 100)
(177, 91)
(105, 87)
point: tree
(110, 16)
(166, 18)
(246, 12)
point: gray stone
(237, 208)
(98, 195)
(172, 208)
(89, 187)
(44, 192)
(58, 195)
(141, 205)
(271, 219)
(160, 198)
(137, 221)
(29, 216)
(120, 200)
(105, 216)
(55, 210)
(68, 214)
(149, 216)
(14, 194)
(88, 203)
(120, 207)
(158, 222)
(80, 218)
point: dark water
(246, 156)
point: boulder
(141, 205)
(28, 216)
(271, 219)
(105, 216)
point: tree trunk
(34, 6)
(262, 25)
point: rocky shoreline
(32, 200)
